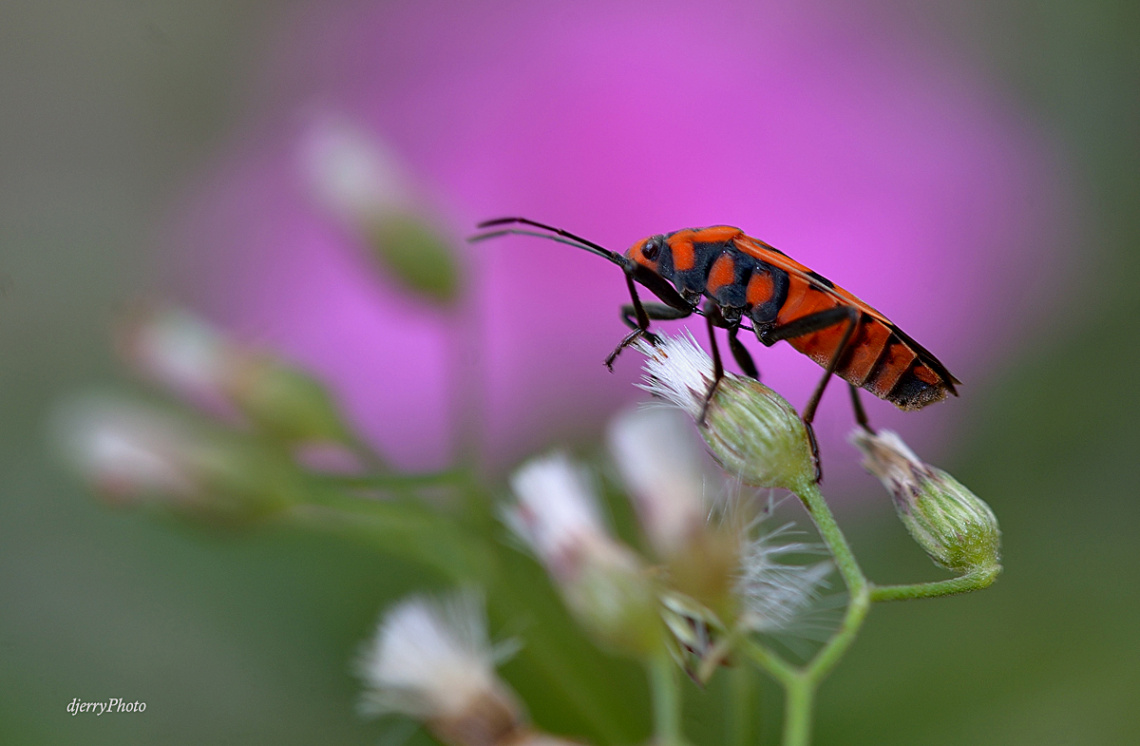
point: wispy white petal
(678, 371)
(660, 460)
(431, 659)
(556, 513)
(776, 592)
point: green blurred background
(248, 638)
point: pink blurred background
(841, 135)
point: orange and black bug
(741, 278)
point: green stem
(858, 588)
(781, 670)
(397, 481)
(800, 683)
(832, 535)
(972, 581)
(800, 697)
(666, 701)
(741, 707)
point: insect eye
(650, 250)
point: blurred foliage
(249, 637)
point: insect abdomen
(879, 357)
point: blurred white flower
(126, 450)
(557, 515)
(431, 659)
(660, 461)
(133, 453)
(603, 582)
(350, 171)
(181, 352)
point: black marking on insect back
(821, 280)
(873, 373)
(713, 248)
(765, 313)
(927, 359)
(734, 296)
(691, 283)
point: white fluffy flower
(660, 462)
(556, 513)
(124, 449)
(431, 659)
(678, 371)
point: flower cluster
(711, 572)
(706, 583)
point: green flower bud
(134, 454)
(190, 357)
(752, 431)
(956, 528)
(415, 253)
(285, 402)
(757, 435)
(358, 179)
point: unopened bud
(197, 361)
(695, 632)
(955, 527)
(353, 175)
(752, 431)
(134, 454)
(286, 402)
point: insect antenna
(561, 236)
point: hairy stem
(972, 581)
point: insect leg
(741, 354)
(641, 328)
(655, 311)
(713, 319)
(637, 316)
(808, 325)
(860, 415)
